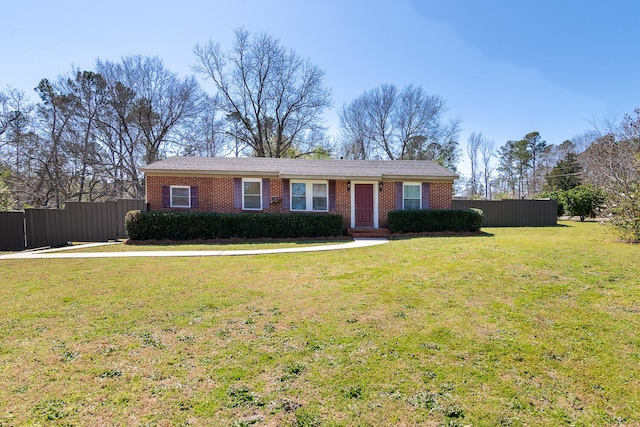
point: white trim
(376, 222)
(259, 181)
(171, 196)
(308, 194)
(419, 184)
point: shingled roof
(301, 168)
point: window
(252, 194)
(319, 197)
(180, 197)
(309, 196)
(411, 194)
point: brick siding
(441, 195)
(386, 202)
(215, 194)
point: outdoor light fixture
(380, 186)
(348, 185)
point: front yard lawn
(525, 326)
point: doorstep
(368, 233)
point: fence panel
(91, 222)
(513, 213)
(46, 227)
(12, 231)
(122, 207)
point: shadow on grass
(239, 241)
(405, 236)
(529, 226)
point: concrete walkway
(59, 253)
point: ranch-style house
(362, 191)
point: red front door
(364, 205)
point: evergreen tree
(565, 175)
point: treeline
(90, 130)
(596, 174)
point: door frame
(374, 188)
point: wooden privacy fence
(513, 213)
(77, 222)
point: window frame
(259, 195)
(180, 187)
(308, 195)
(404, 198)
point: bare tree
(88, 98)
(52, 187)
(356, 141)
(275, 96)
(149, 108)
(16, 137)
(159, 104)
(612, 162)
(206, 136)
(16, 129)
(399, 124)
(487, 153)
(473, 145)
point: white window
(309, 196)
(411, 195)
(180, 196)
(252, 194)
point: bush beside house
(163, 225)
(431, 220)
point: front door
(364, 205)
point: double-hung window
(411, 196)
(180, 196)
(310, 196)
(252, 193)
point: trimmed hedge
(430, 220)
(161, 225)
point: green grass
(529, 326)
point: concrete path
(59, 253)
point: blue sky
(504, 67)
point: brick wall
(441, 195)
(215, 194)
(386, 202)
(343, 203)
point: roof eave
(201, 172)
(398, 177)
(329, 176)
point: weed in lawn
(430, 346)
(292, 370)
(247, 422)
(111, 373)
(425, 400)
(353, 392)
(51, 410)
(243, 396)
(148, 340)
(269, 328)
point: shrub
(583, 201)
(625, 214)
(162, 225)
(430, 220)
